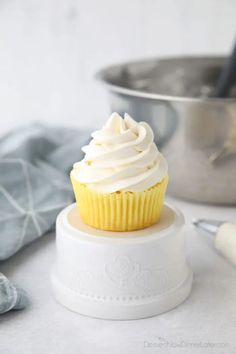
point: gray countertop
(206, 322)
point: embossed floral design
(147, 280)
(121, 279)
(121, 270)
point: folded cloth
(34, 182)
(11, 297)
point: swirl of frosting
(122, 156)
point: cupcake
(121, 182)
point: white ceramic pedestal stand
(121, 275)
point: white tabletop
(205, 323)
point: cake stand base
(121, 311)
(121, 275)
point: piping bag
(223, 234)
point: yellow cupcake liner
(120, 211)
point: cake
(120, 184)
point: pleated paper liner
(120, 211)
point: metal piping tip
(195, 222)
(209, 226)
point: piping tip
(209, 226)
(195, 222)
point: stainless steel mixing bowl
(196, 134)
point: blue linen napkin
(34, 187)
(11, 297)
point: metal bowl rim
(100, 76)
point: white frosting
(225, 241)
(122, 156)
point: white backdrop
(50, 49)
